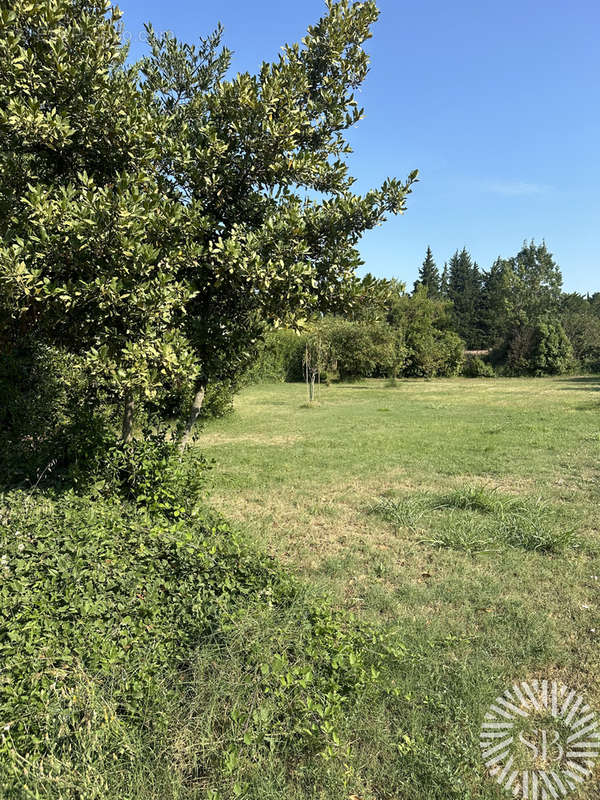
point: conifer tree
(444, 282)
(429, 276)
(464, 290)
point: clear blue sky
(496, 103)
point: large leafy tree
(155, 217)
(534, 285)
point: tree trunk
(128, 409)
(194, 414)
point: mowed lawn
(398, 501)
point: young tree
(155, 217)
(429, 276)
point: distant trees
(517, 309)
(581, 320)
(429, 276)
(464, 292)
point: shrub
(151, 472)
(52, 418)
(552, 353)
(360, 349)
(107, 614)
(279, 358)
(450, 354)
(583, 330)
(541, 349)
(475, 367)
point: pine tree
(464, 290)
(495, 322)
(429, 276)
(444, 282)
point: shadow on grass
(585, 383)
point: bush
(360, 349)
(583, 330)
(450, 351)
(279, 358)
(52, 419)
(152, 473)
(433, 353)
(475, 367)
(541, 349)
(107, 614)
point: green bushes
(107, 615)
(360, 349)
(583, 330)
(541, 349)
(476, 367)
(52, 417)
(410, 345)
(151, 472)
(279, 358)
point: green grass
(462, 515)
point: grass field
(463, 514)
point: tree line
(500, 308)
(513, 319)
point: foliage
(476, 367)
(543, 349)
(552, 351)
(464, 292)
(534, 285)
(106, 613)
(431, 349)
(152, 472)
(279, 358)
(53, 423)
(153, 217)
(360, 349)
(583, 329)
(429, 276)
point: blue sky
(496, 104)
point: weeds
(487, 520)
(401, 512)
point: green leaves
(154, 217)
(105, 614)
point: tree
(91, 245)
(444, 282)
(582, 326)
(495, 321)
(156, 217)
(464, 291)
(429, 276)
(534, 285)
(430, 348)
(540, 349)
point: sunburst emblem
(540, 740)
